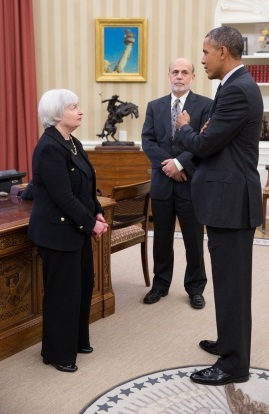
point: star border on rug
(112, 400)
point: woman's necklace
(74, 150)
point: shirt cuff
(178, 165)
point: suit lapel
(165, 110)
(190, 102)
(82, 153)
(212, 109)
(76, 160)
(55, 134)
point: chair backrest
(265, 196)
(130, 220)
(132, 205)
(267, 182)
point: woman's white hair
(52, 104)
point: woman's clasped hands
(101, 226)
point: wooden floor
(258, 233)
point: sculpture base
(117, 146)
(117, 143)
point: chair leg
(144, 257)
(264, 208)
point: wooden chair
(265, 196)
(130, 220)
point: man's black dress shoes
(63, 368)
(87, 350)
(210, 346)
(154, 296)
(197, 301)
(214, 376)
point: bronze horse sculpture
(116, 116)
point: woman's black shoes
(69, 368)
(63, 368)
(87, 350)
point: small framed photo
(121, 50)
(245, 51)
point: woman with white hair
(65, 213)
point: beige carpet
(136, 340)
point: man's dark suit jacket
(158, 144)
(226, 188)
(65, 203)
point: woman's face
(72, 117)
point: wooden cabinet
(21, 290)
(119, 167)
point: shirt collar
(230, 73)
(182, 99)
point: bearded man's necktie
(174, 113)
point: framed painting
(121, 50)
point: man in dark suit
(226, 193)
(170, 193)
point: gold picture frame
(121, 50)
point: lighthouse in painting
(128, 41)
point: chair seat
(127, 233)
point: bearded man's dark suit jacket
(62, 219)
(158, 145)
(226, 193)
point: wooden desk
(119, 167)
(21, 290)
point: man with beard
(171, 189)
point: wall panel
(65, 52)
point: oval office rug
(171, 391)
